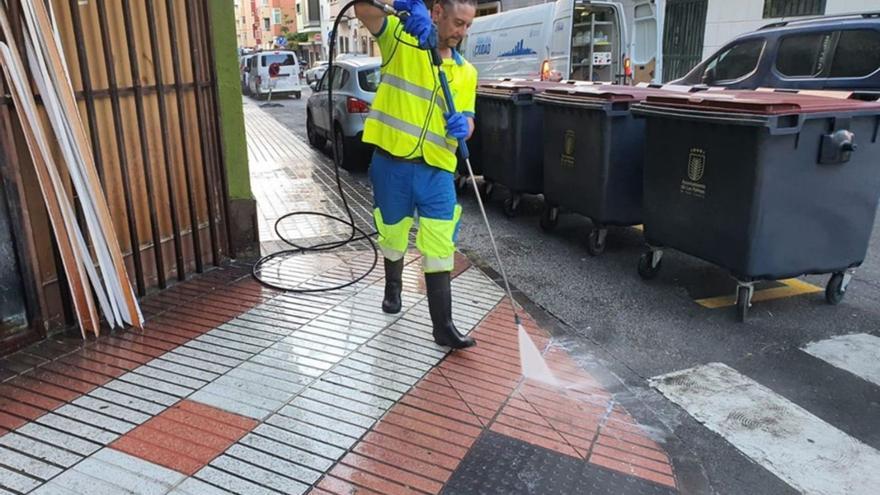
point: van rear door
(288, 76)
(589, 40)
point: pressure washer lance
(533, 364)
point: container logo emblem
(696, 167)
(696, 164)
(567, 159)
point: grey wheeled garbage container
(509, 124)
(593, 156)
(767, 185)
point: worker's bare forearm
(371, 16)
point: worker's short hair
(449, 3)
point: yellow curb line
(793, 287)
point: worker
(416, 138)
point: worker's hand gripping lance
(437, 60)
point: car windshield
(369, 79)
(280, 58)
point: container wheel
(596, 242)
(647, 269)
(511, 206)
(835, 290)
(743, 302)
(487, 190)
(461, 183)
(549, 217)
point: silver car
(316, 72)
(355, 81)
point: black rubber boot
(393, 286)
(440, 306)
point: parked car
(355, 81)
(831, 53)
(286, 83)
(316, 72)
(243, 72)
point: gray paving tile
(289, 388)
(394, 356)
(343, 403)
(291, 363)
(419, 337)
(27, 465)
(113, 410)
(94, 418)
(305, 347)
(308, 340)
(170, 377)
(363, 384)
(142, 392)
(274, 464)
(372, 360)
(285, 451)
(428, 353)
(345, 338)
(40, 450)
(139, 467)
(257, 391)
(132, 482)
(237, 329)
(353, 394)
(282, 351)
(58, 439)
(390, 379)
(206, 357)
(77, 428)
(192, 486)
(322, 421)
(181, 356)
(47, 489)
(314, 432)
(291, 377)
(227, 340)
(127, 400)
(204, 343)
(16, 481)
(295, 440)
(326, 324)
(81, 484)
(260, 327)
(230, 404)
(331, 411)
(231, 482)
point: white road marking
(801, 449)
(859, 354)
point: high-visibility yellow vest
(407, 116)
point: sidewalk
(233, 388)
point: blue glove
(457, 125)
(418, 24)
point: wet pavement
(236, 388)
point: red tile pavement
(185, 437)
(422, 439)
(171, 321)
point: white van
(287, 81)
(567, 39)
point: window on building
(264, 3)
(267, 24)
(276, 16)
(298, 9)
(645, 35)
(734, 63)
(793, 8)
(315, 10)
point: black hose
(355, 230)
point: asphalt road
(628, 330)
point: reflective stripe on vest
(413, 130)
(415, 90)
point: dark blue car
(831, 53)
